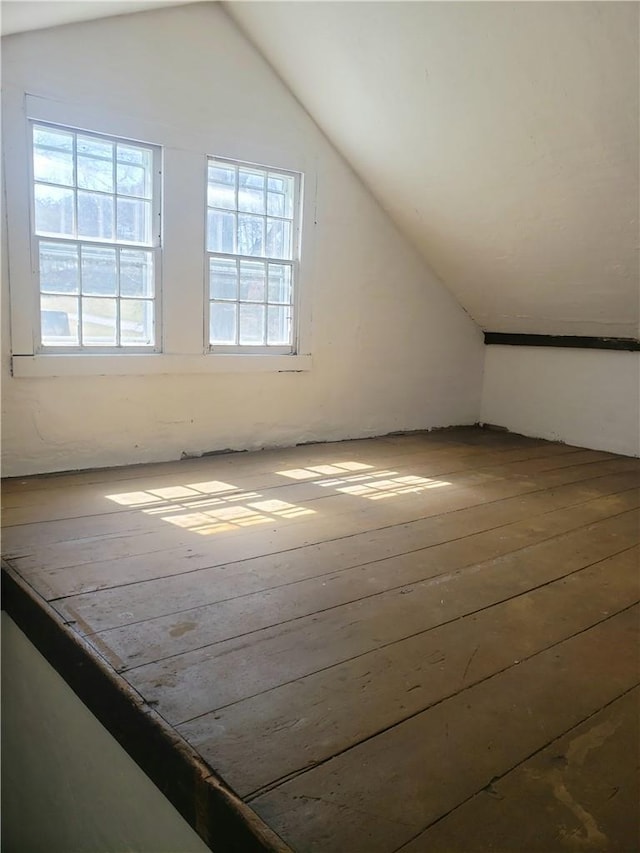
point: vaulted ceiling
(502, 138)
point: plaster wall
(589, 398)
(66, 783)
(391, 348)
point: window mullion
(238, 301)
(75, 185)
(118, 299)
(80, 311)
(114, 184)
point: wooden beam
(573, 341)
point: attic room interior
(320, 427)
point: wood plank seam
(371, 596)
(230, 563)
(469, 470)
(354, 567)
(423, 632)
(276, 783)
(471, 465)
(515, 766)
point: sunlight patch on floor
(374, 485)
(215, 506)
(209, 507)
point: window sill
(144, 364)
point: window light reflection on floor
(209, 506)
(215, 506)
(313, 470)
(373, 485)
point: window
(88, 249)
(96, 239)
(252, 249)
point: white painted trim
(17, 194)
(182, 303)
(142, 364)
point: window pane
(250, 235)
(280, 195)
(221, 173)
(221, 189)
(136, 273)
(252, 281)
(51, 137)
(136, 322)
(94, 147)
(134, 154)
(134, 171)
(279, 283)
(98, 322)
(221, 231)
(223, 278)
(251, 195)
(58, 268)
(252, 324)
(95, 164)
(54, 210)
(133, 180)
(134, 220)
(99, 276)
(278, 325)
(56, 167)
(95, 215)
(278, 239)
(52, 155)
(222, 323)
(95, 174)
(59, 321)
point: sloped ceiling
(501, 137)
(18, 16)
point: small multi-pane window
(251, 253)
(96, 231)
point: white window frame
(184, 301)
(155, 247)
(293, 262)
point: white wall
(391, 348)
(590, 398)
(66, 783)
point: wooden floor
(419, 643)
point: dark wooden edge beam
(224, 822)
(574, 341)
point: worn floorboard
(422, 642)
(583, 782)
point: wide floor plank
(309, 720)
(582, 783)
(379, 794)
(221, 542)
(135, 601)
(361, 592)
(418, 642)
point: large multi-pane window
(252, 217)
(96, 223)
